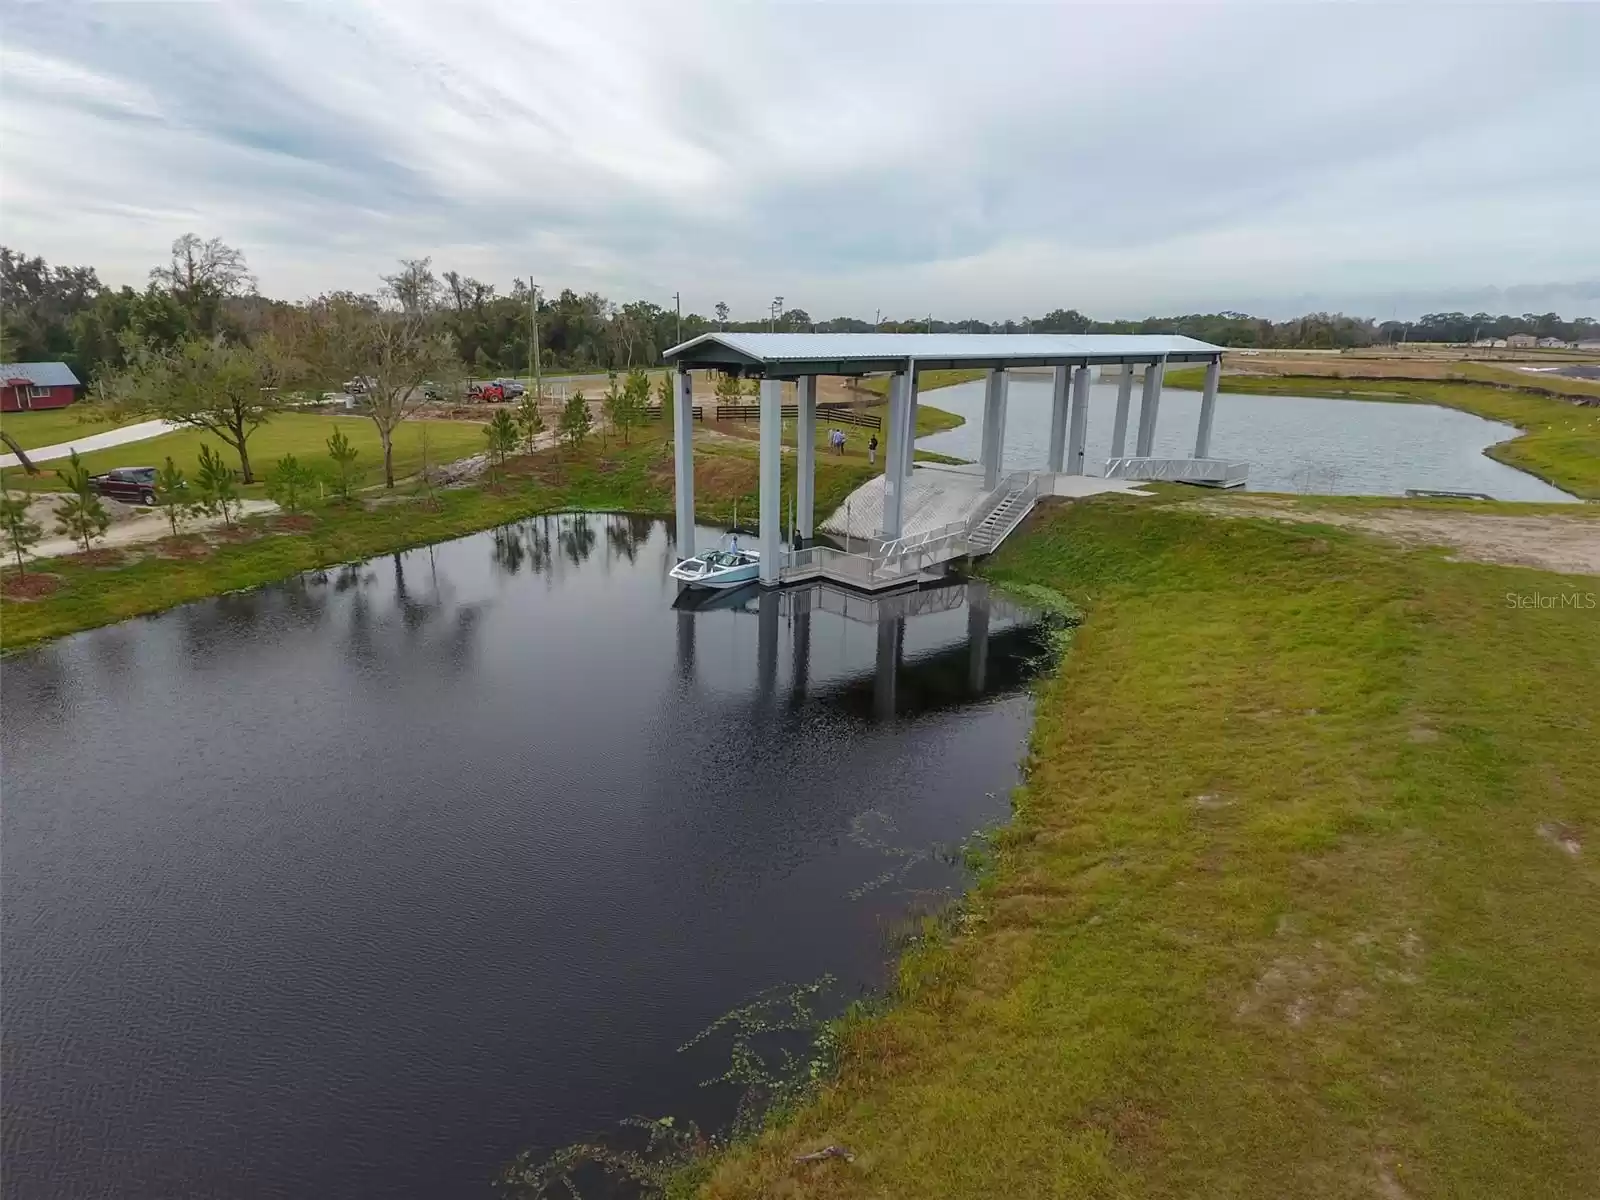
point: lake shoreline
(634, 478)
(605, 475)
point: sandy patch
(1549, 542)
(1563, 837)
(130, 525)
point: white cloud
(970, 159)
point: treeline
(205, 290)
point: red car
(131, 485)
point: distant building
(1522, 341)
(1591, 345)
(1552, 344)
(26, 386)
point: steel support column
(1058, 418)
(1149, 405)
(1078, 427)
(1119, 431)
(894, 483)
(806, 458)
(1208, 408)
(683, 460)
(994, 428)
(771, 480)
(909, 444)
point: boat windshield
(724, 558)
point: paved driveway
(94, 441)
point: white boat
(727, 568)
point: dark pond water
(1292, 443)
(363, 883)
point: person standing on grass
(872, 451)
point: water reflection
(413, 864)
(944, 672)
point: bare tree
(394, 340)
(202, 274)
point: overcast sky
(968, 160)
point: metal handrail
(915, 541)
(1028, 496)
(1015, 481)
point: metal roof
(787, 354)
(46, 374)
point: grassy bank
(304, 435)
(1293, 903)
(927, 381)
(1560, 440)
(636, 478)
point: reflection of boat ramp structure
(956, 670)
(912, 518)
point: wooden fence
(827, 414)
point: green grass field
(1291, 904)
(929, 420)
(1560, 440)
(301, 434)
(50, 427)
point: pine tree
(575, 421)
(172, 494)
(81, 516)
(218, 493)
(344, 463)
(290, 483)
(529, 420)
(501, 433)
(19, 530)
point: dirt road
(1550, 542)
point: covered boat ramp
(986, 503)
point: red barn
(25, 386)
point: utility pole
(877, 321)
(777, 307)
(677, 301)
(533, 312)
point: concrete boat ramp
(948, 515)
